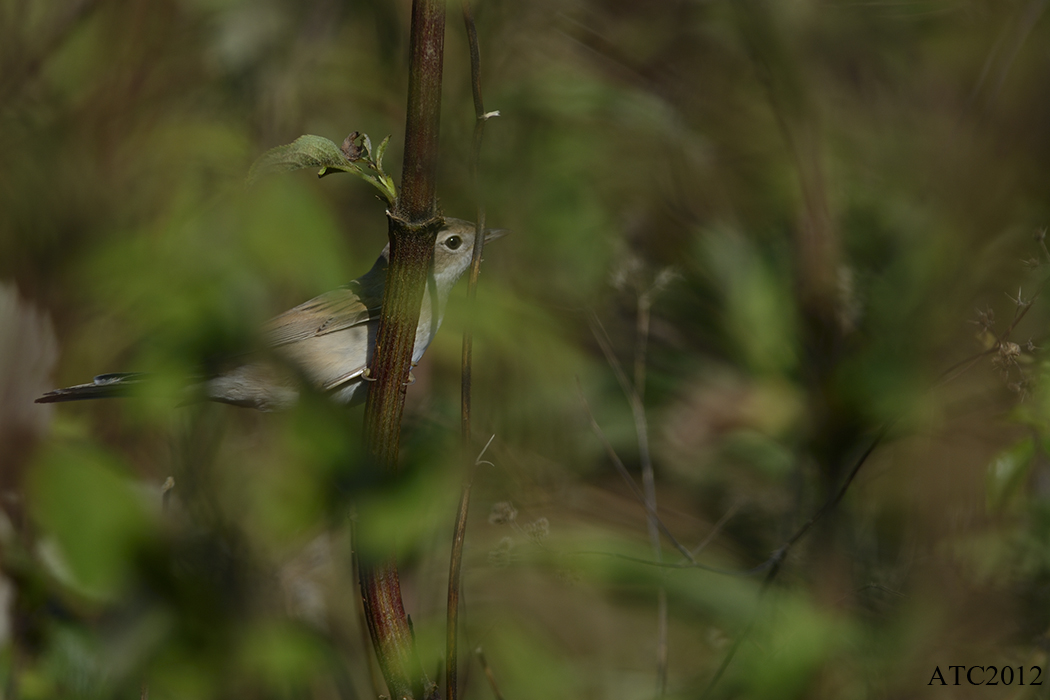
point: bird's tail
(103, 386)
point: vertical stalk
(460, 530)
(391, 633)
(413, 227)
(415, 202)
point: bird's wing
(331, 312)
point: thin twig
(718, 527)
(962, 366)
(618, 463)
(641, 427)
(778, 556)
(480, 117)
(1020, 311)
(488, 673)
(459, 532)
(455, 570)
(764, 566)
(606, 346)
(777, 559)
(635, 395)
(772, 564)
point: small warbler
(329, 340)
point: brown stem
(459, 532)
(411, 254)
(411, 251)
(413, 227)
(415, 201)
(391, 633)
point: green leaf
(381, 151)
(305, 152)
(318, 152)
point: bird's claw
(367, 376)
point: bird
(328, 341)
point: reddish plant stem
(413, 227)
(391, 634)
(415, 202)
(411, 253)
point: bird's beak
(492, 234)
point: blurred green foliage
(844, 204)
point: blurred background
(751, 240)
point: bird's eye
(453, 242)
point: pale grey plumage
(328, 339)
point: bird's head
(453, 250)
